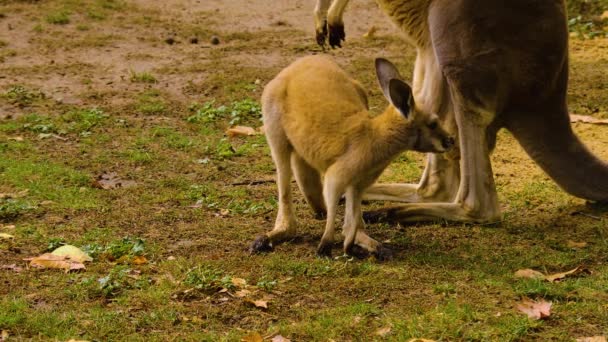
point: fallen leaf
(280, 338)
(12, 267)
(587, 119)
(242, 130)
(4, 236)
(263, 304)
(383, 331)
(559, 276)
(4, 336)
(535, 309)
(252, 337)
(73, 253)
(139, 260)
(604, 16)
(49, 260)
(9, 226)
(371, 32)
(18, 138)
(574, 244)
(240, 282)
(529, 274)
(51, 135)
(592, 339)
(19, 194)
(242, 293)
(420, 340)
(108, 181)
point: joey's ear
(400, 95)
(386, 71)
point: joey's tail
(551, 143)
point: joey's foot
(261, 244)
(324, 250)
(322, 34)
(383, 253)
(336, 35)
(380, 215)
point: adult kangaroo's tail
(552, 144)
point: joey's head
(422, 131)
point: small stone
(170, 40)
(215, 40)
(193, 40)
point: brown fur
(317, 123)
(483, 66)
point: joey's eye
(433, 125)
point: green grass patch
(142, 77)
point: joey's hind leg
(309, 182)
(285, 224)
(333, 187)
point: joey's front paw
(261, 244)
(336, 35)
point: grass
(193, 211)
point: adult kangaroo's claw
(260, 244)
(322, 34)
(336, 35)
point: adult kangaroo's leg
(335, 24)
(320, 14)
(441, 177)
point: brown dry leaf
(592, 339)
(241, 130)
(19, 194)
(4, 336)
(139, 260)
(529, 274)
(559, 276)
(108, 181)
(252, 337)
(587, 119)
(263, 304)
(535, 309)
(383, 331)
(574, 244)
(17, 138)
(420, 340)
(73, 253)
(280, 338)
(604, 15)
(240, 282)
(242, 293)
(49, 260)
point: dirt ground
(137, 88)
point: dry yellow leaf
(592, 338)
(529, 274)
(242, 293)
(139, 260)
(49, 260)
(240, 282)
(535, 309)
(252, 337)
(574, 244)
(587, 119)
(242, 130)
(73, 253)
(370, 33)
(383, 331)
(420, 340)
(4, 236)
(558, 276)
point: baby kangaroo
(317, 123)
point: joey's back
(317, 96)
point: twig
(254, 182)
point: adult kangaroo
(483, 66)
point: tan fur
(482, 66)
(317, 123)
